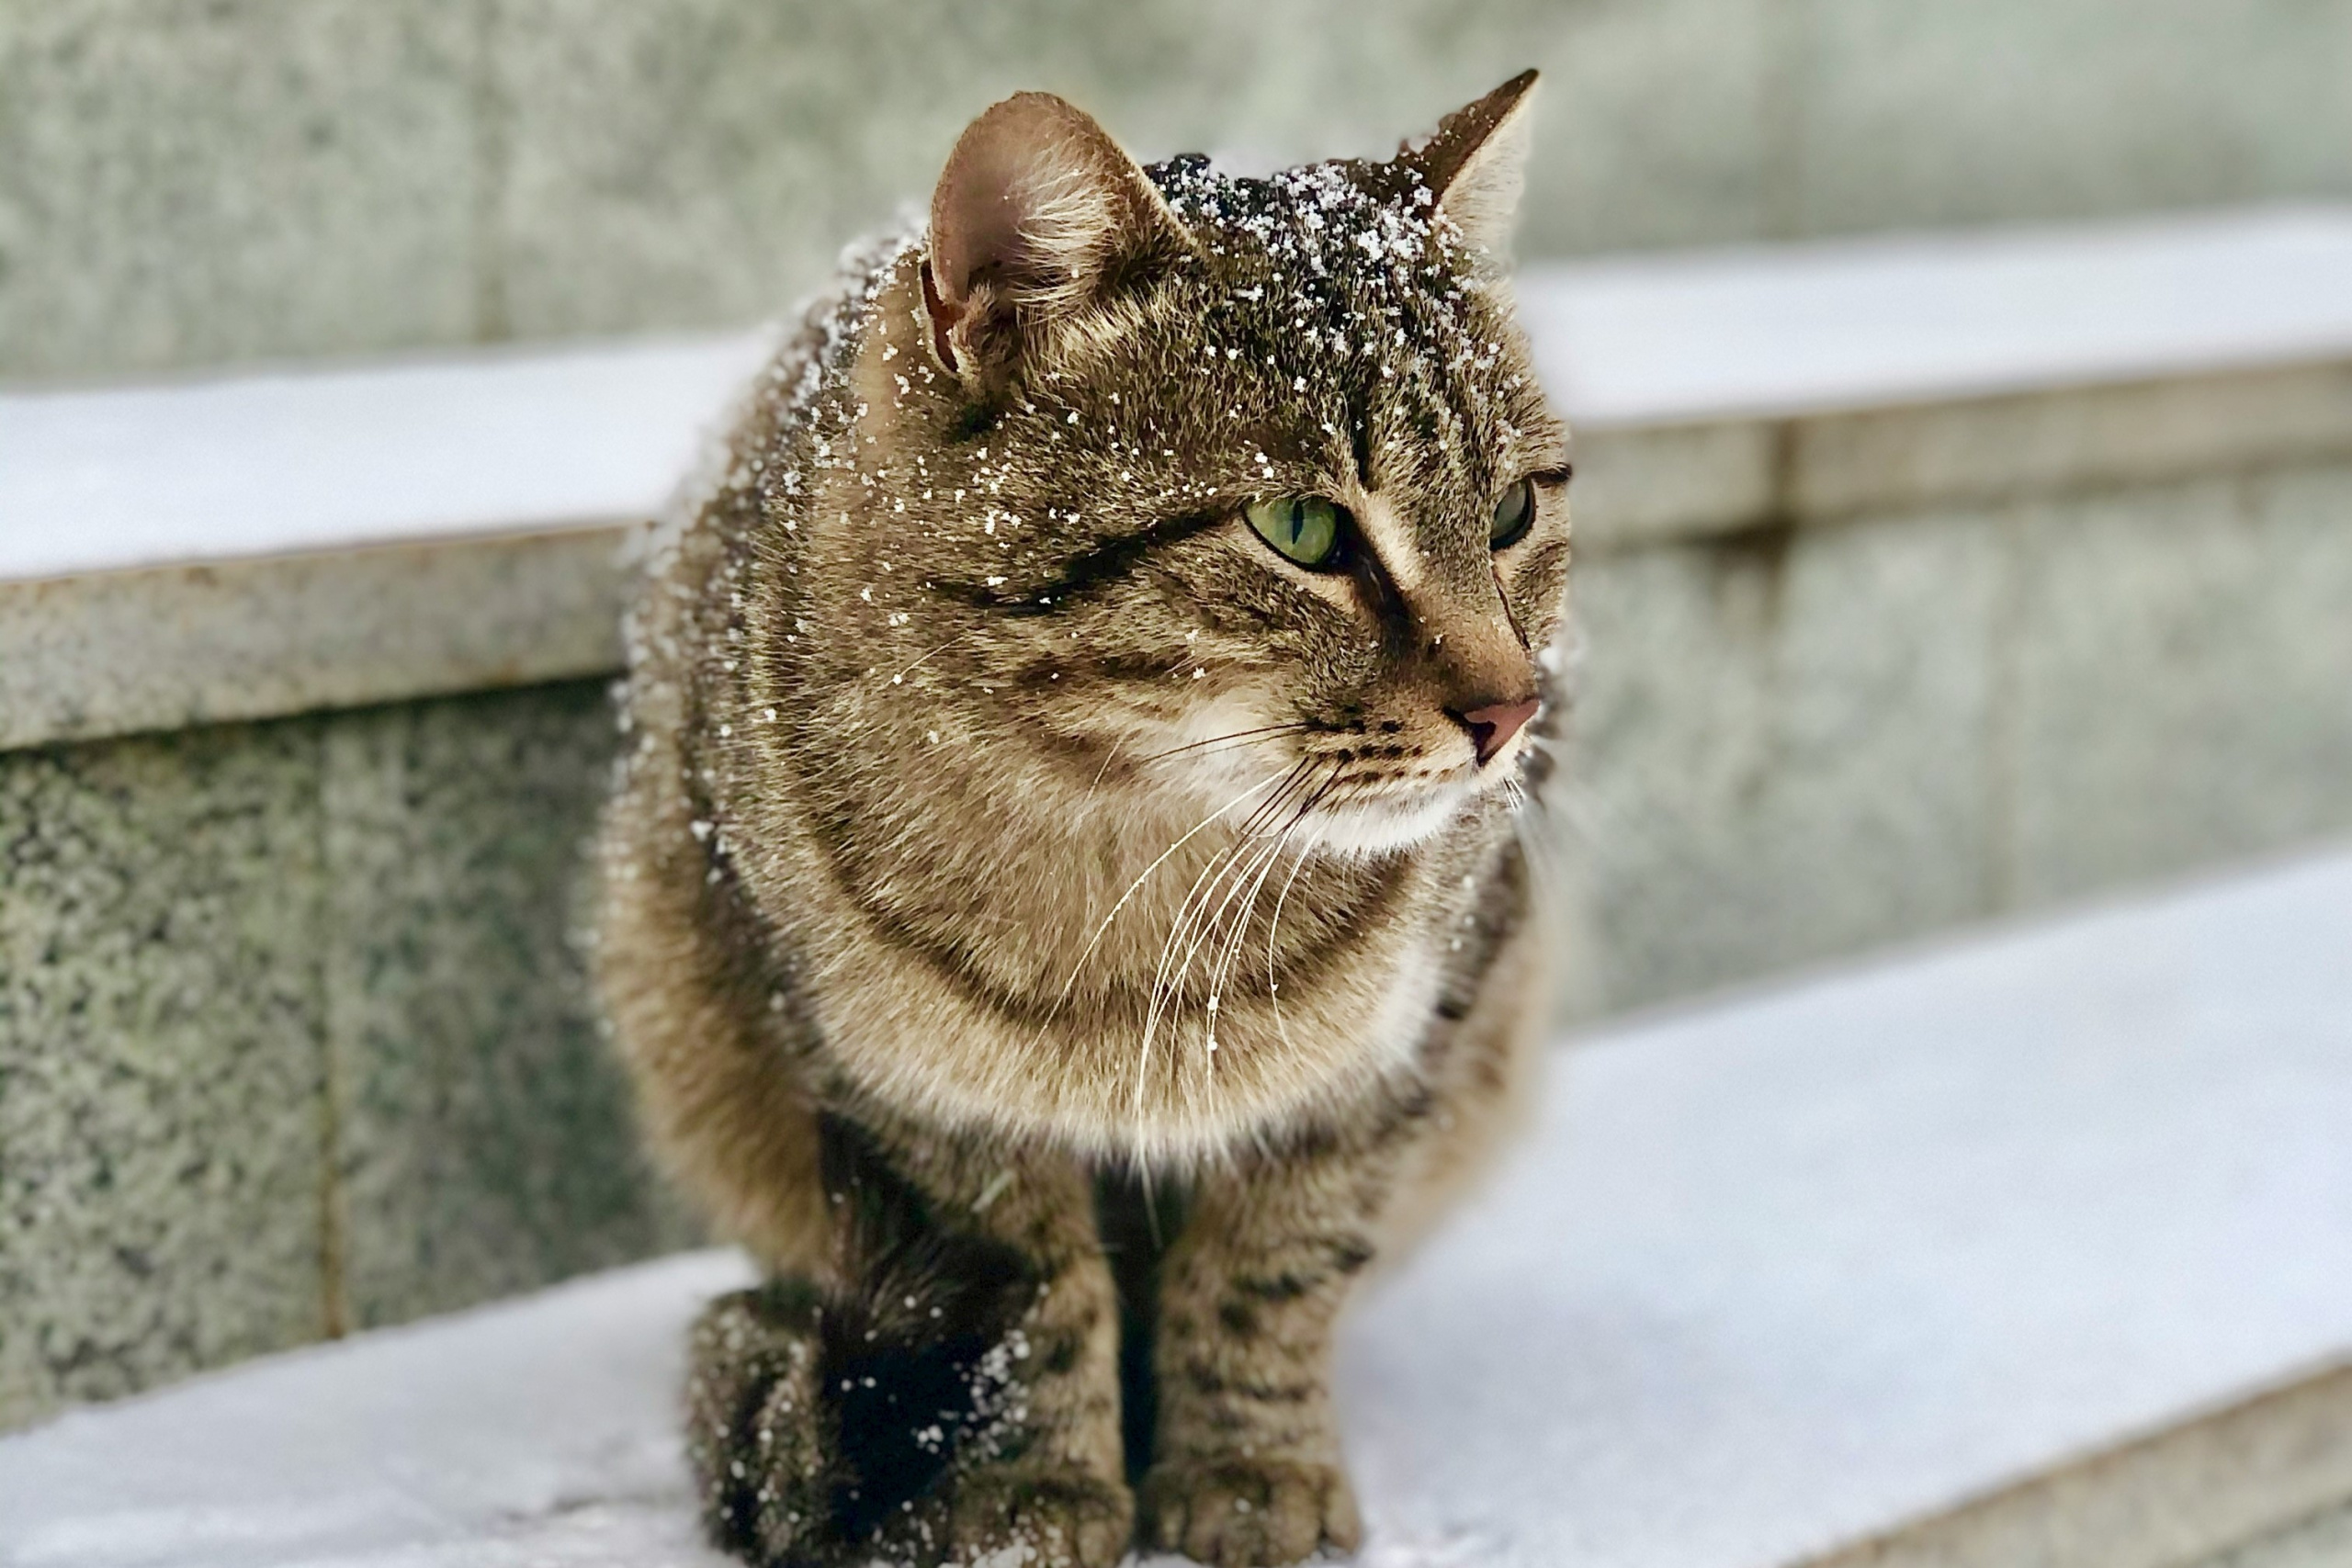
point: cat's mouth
(1371, 788)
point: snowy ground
(1771, 1276)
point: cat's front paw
(1013, 1514)
(754, 1434)
(1242, 1513)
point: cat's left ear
(1476, 163)
(1036, 217)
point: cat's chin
(1385, 824)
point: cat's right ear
(1038, 214)
(1476, 163)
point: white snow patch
(1771, 331)
(542, 1430)
(316, 458)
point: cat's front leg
(1038, 1472)
(948, 1393)
(1246, 1469)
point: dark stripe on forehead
(1104, 561)
(1456, 392)
(1410, 438)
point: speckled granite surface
(1791, 745)
(293, 1036)
(163, 1131)
(250, 178)
(2323, 1541)
(484, 1141)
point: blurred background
(293, 1036)
(189, 184)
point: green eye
(1513, 512)
(1305, 528)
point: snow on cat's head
(1240, 492)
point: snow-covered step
(2033, 1250)
(512, 440)
(271, 541)
(1772, 330)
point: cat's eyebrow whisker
(960, 637)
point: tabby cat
(1062, 901)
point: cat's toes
(1237, 1513)
(754, 1433)
(1041, 1519)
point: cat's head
(1242, 490)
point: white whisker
(927, 657)
(1273, 929)
(1166, 988)
(1274, 925)
(1241, 936)
(1095, 940)
(1163, 985)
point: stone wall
(1860, 676)
(187, 182)
(1799, 744)
(294, 1037)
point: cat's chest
(1174, 1067)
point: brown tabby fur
(1063, 939)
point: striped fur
(1068, 942)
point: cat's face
(1275, 523)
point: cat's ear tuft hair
(1476, 163)
(1037, 214)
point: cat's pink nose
(1492, 727)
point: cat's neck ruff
(1138, 983)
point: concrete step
(269, 542)
(2323, 1541)
(2031, 1251)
